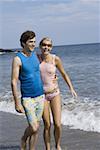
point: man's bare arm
(14, 80)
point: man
(25, 67)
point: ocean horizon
(74, 44)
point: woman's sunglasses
(44, 44)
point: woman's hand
(74, 94)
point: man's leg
(29, 105)
(30, 131)
(38, 114)
(33, 141)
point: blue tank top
(29, 76)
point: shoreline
(12, 128)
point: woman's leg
(55, 104)
(46, 120)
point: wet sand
(12, 128)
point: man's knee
(35, 127)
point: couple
(39, 89)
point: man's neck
(27, 52)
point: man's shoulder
(17, 60)
(18, 53)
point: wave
(83, 114)
(7, 103)
(1, 53)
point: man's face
(30, 44)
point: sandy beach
(12, 127)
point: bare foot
(58, 148)
(23, 144)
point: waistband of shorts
(41, 96)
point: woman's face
(46, 47)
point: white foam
(1, 53)
(8, 107)
(82, 115)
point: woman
(49, 63)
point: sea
(82, 63)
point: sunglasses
(44, 44)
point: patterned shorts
(33, 108)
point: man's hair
(26, 36)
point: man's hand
(55, 79)
(19, 108)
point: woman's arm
(60, 67)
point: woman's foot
(23, 144)
(58, 148)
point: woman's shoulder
(57, 60)
(56, 57)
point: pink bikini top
(48, 74)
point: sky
(66, 22)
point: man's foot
(23, 144)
